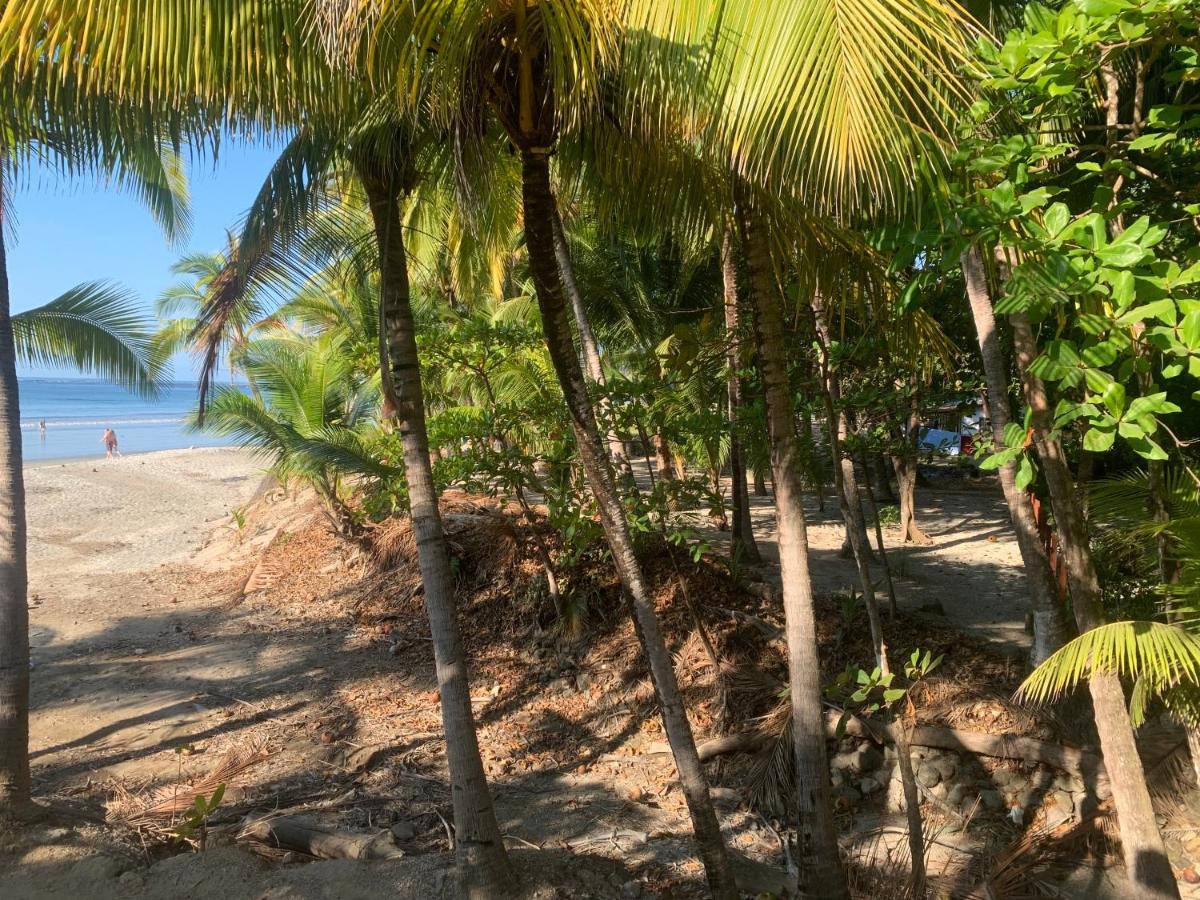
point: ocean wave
(32, 424)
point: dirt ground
(150, 666)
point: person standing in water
(110, 443)
(42, 430)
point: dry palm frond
(148, 807)
(1023, 868)
(1168, 763)
(773, 775)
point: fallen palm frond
(1026, 867)
(147, 808)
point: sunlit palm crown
(829, 99)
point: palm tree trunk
(540, 212)
(742, 542)
(821, 872)
(484, 867)
(760, 483)
(1146, 861)
(589, 349)
(14, 612)
(1049, 625)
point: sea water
(76, 412)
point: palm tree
(311, 417)
(182, 305)
(76, 329)
(95, 328)
(810, 767)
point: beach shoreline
(99, 456)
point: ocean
(76, 412)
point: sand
(96, 526)
(141, 643)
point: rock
(403, 831)
(631, 890)
(582, 681)
(941, 790)
(993, 801)
(956, 795)
(1072, 784)
(842, 762)
(928, 775)
(895, 796)
(561, 686)
(97, 868)
(1042, 779)
(836, 779)
(1002, 777)
(868, 786)
(867, 759)
(1059, 808)
(947, 766)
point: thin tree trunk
(539, 208)
(849, 486)
(1050, 628)
(906, 466)
(883, 478)
(852, 515)
(15, 799)
(1146, 861)
(760, 483)
(883, 558)
(664, 459)
(589, 349)
(912, 807)
(742, 542)
(821, 872)
(483, 862)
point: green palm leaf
(1165, 655)
(96, 328)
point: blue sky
(68, 232)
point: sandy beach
(96, 526)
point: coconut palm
(538, 70)
(311, 418)
(182, 305)
(91, 326)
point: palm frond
(96, 328)
(1163, 654)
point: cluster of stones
(860, 771)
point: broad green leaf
(1114, 399)
(1097, 440)
(1120, 255)
(1026, 472)
(1056, 218)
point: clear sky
(68, 232)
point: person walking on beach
(110, 443)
